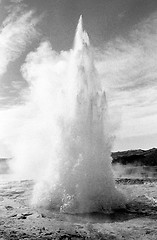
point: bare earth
(19, 221)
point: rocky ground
(19, 221)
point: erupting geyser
(84, 180)
(61, 136)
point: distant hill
(136, 157)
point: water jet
(61, 136)
(84, 180)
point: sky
(123, 34)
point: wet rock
(43, 215)
(27, 214)
(9, 207)
(21, 216)
(13, 215)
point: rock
(21, 216)
(13, 215)
(9, 207)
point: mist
(62, 136)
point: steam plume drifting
(64, 139)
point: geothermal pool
(20, 221)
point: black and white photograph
(78, 119)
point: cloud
(16, 1)
(128, 69)
(16, 31)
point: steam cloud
(62, 136)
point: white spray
(64, 138)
